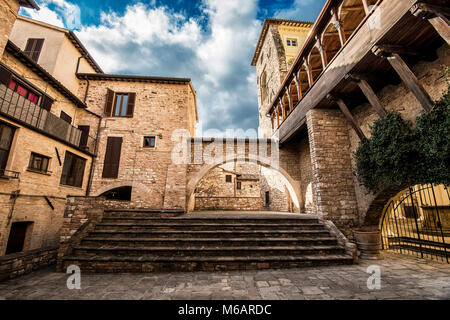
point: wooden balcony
(342, 43)
(28, 114)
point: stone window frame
(289, 41)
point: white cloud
(57, 12)
(154, 40)
(296, 11)
(44, 15)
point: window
(119, 104)
(6, 137)
(149, 141)
(23, 91)
(228, 178)
(66, 117)
(38, 163)
(17, 235)
(112, 157)
(238, 185)
(33, 48)
(73, 170)
(291, 42)
(267, 198)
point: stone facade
(156, 181)
(41, 197)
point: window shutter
(112, 157)
(33, 48)
(46, 103)
(5, 76)
(130, 105)
(109, 102)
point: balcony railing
(337, 22)
(9, 174)
(18, 108)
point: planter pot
(369, 243)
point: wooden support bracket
(348, 115)
(436, 15)
(368, 92)
(407, 76)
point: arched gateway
(204, 154)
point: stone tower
(278, 46)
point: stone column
(334, 191)
(8, 15)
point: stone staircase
(137, 242)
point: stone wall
(272, 62)
(160, 109)
(18, 264)
(8, 15)
(274, 183)
(334, 193)
(229, 203)
(306, 181)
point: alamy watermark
(74, 280)
(374, 280)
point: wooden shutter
(109, 102)
(112, 157)
(5, 76)
(33, 48)
(130, 105)
(46, 103)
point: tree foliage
(399, 155)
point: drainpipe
(88, 188)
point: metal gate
(417, 221)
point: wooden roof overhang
(133, 78)
(397, 27)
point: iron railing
(417, 221)
(23, 110)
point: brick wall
(18, 264)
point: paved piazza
(401, 278)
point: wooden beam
(347, 115)
(368, 92)
(407, 76)
(436, 15)
(338, 26)
(385, 50)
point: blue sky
(210, 41)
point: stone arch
(133, 184)
(375, 210)
(295, 193)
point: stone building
(276, 50)
(354, 65)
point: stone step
(222, 221)
(116, 226)
(107, 264)
(208, 233)
(207, 251)
(205, 242)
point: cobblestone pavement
(401, 278)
